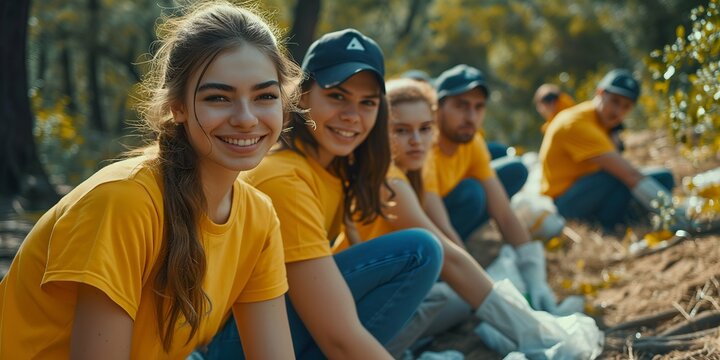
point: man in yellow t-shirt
(582, 168)
(463, 188)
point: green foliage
(687, 76)
(68, 149)
(518, 44)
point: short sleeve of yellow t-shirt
(308, 201)
(269, 278)
(301, 215)
(109, 240)
(584, 140)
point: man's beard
(456, 137)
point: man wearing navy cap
(464, 189)
(583, 171)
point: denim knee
(428, 247)
(512, 173)
(470, 191)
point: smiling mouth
(343, 133)
(242, 142)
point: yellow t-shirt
(442, 173)
(308, 200)
(381, 226)
(107, 233)
(573, 137)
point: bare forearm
(513, 231)
(465, 275)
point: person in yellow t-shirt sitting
(550, 100)
(582, 169)
(463, 190)
(461, 168)
(148, 257)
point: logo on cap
(355, 44)
(629, 83)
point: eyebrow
(342, 89)
(230, 88)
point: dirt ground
(679, 282)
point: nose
(415, 137)
(350, 113)
(243, 116)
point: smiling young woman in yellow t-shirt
(147, 257)
(331, 167)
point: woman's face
(236, 115)
(411, 134)
(343, 115)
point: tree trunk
(302, 33)
(96, 116)
(68, 82)
(20, 170)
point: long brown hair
(406, 90)
(371, 160)
(188, 44)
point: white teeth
(344, 133)
(241, 142)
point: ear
(179, 112)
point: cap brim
(462, 89)
(338, 74)
(622, 92)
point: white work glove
(658, 200)
(531, 263)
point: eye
(216, 98)
(400, 131)
(336, 96)
(267, 96)
(426, 129)
(369, 102)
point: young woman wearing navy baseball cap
(329, 168)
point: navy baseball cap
(417, 74)
(620, 82)
(336, 56)
(459, 79)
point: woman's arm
(264, 329)
(101, 328)
(460, 270)
(435, 210)
(323, 300)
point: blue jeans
(388, 277)
(601, 197)
(497, 150)
(466, 204)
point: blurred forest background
(84, 57)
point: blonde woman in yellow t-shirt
(412, 120)
(332, 166)
(148, 257)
